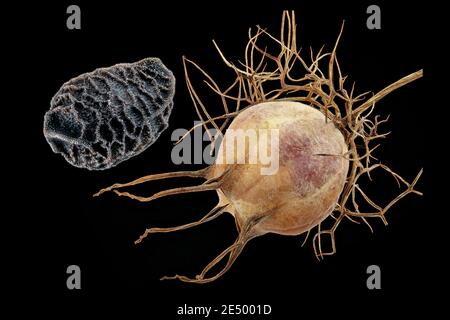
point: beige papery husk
(266, 76)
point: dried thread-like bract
(107, 116)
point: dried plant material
(281, 78)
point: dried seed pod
(324, 147)
(107, 116)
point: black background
(71, 227)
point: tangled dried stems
(267, 77)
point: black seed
(91, 114)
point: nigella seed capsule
(106, 116)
